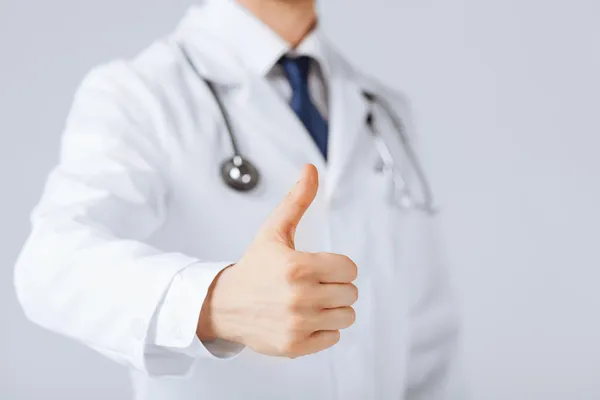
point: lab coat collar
(247, 46)
(230, 46)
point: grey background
(507, 96)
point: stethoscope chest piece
(239, 174)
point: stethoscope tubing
(241, 175)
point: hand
(279, 301)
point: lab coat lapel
(276, 122)
(347, 119)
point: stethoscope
(238, 173)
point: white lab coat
(137, 198)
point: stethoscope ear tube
(237, 172)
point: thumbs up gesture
(280, 301)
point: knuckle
(295, 270)
(298, 300)
(295, 324)
(293, 303)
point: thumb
(281, 224)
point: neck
(290, 19)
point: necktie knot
(296, 70)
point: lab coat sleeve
(174, 326)
(87, 270)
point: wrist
(211, 324)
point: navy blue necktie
(296, 70)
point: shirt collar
(256, 45)
(314, 47)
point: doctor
(257, 278)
